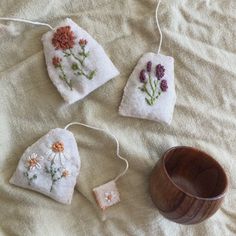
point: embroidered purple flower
(164, 85)
(160, 71)
(149, 66)
(142, 76)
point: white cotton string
(26, 21)
(158, 26)
(117, 145)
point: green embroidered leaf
(91, 75)
(142, 89)
(74, 66)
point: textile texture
(199, 35)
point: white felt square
(150, 91)
(106, 195)
(50, 166)
(76, 63)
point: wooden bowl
(187, 185)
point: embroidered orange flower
(63, 38)
(83, 42)
(65, 173)
(56, 61)
(58, 147)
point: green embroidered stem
(30, 179)
(53, 171)
(154, 96)
(83, 54)
(76, 58)
(81, 61)
(75, 67)
(150, 82)
(64, 78)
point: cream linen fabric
(200, 35)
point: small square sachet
(106, 195)
(76, 63)
(150, 91)
(50, 166)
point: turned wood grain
(187, 185)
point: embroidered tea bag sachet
(51, 166)
(150, 90)
(76, 63)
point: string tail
(26, 21)
(117, 145)
(158, 26)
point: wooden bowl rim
(219, 196)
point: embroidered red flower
(63, 38)
(83, 42)
(56, 61)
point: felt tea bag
(50, 166)
(76, 63)
(150, 90)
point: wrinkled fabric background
(200, 35)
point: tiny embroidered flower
(160, 71)
(63, 38)
(164, 85)
(33, 161)
(65, 173)
(58, 147)
(83, 42)
(142, 76)
(109, 196)
(56, 61)
(149, 66)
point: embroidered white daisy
(33, 161)
(57, 152)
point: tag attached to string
(76, 63)
(107, 195)
(150, 91)
(52, 164)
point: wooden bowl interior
(195, 173)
